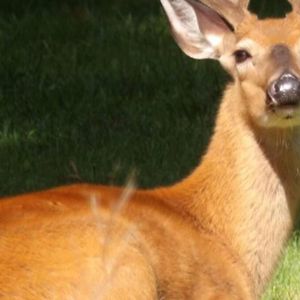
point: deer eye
(241, 56)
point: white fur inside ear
(214, 40)
(197, 29)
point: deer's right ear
(197, 29)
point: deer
(216, 234)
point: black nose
(284, 91)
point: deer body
(161, 256)
(218, 233)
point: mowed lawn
(94, 92)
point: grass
(90, 91)
(102, 93)
(286, 282)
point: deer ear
(197, 29)
(295, 5)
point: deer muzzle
(284, 91)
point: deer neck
(246, 188)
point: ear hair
(234, 11)
(197, 29)
(295, 5)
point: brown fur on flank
(217, 234)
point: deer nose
(284, 91)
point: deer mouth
(287, 113)
(283, 112)
(287, 116)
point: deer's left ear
(197, 29)
(295, 5)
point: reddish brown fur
(218, 234)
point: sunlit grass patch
(286, 282)
(10, 136)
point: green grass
(286, 283)
(106, 93)
(91, 91)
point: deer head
(263, 56)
